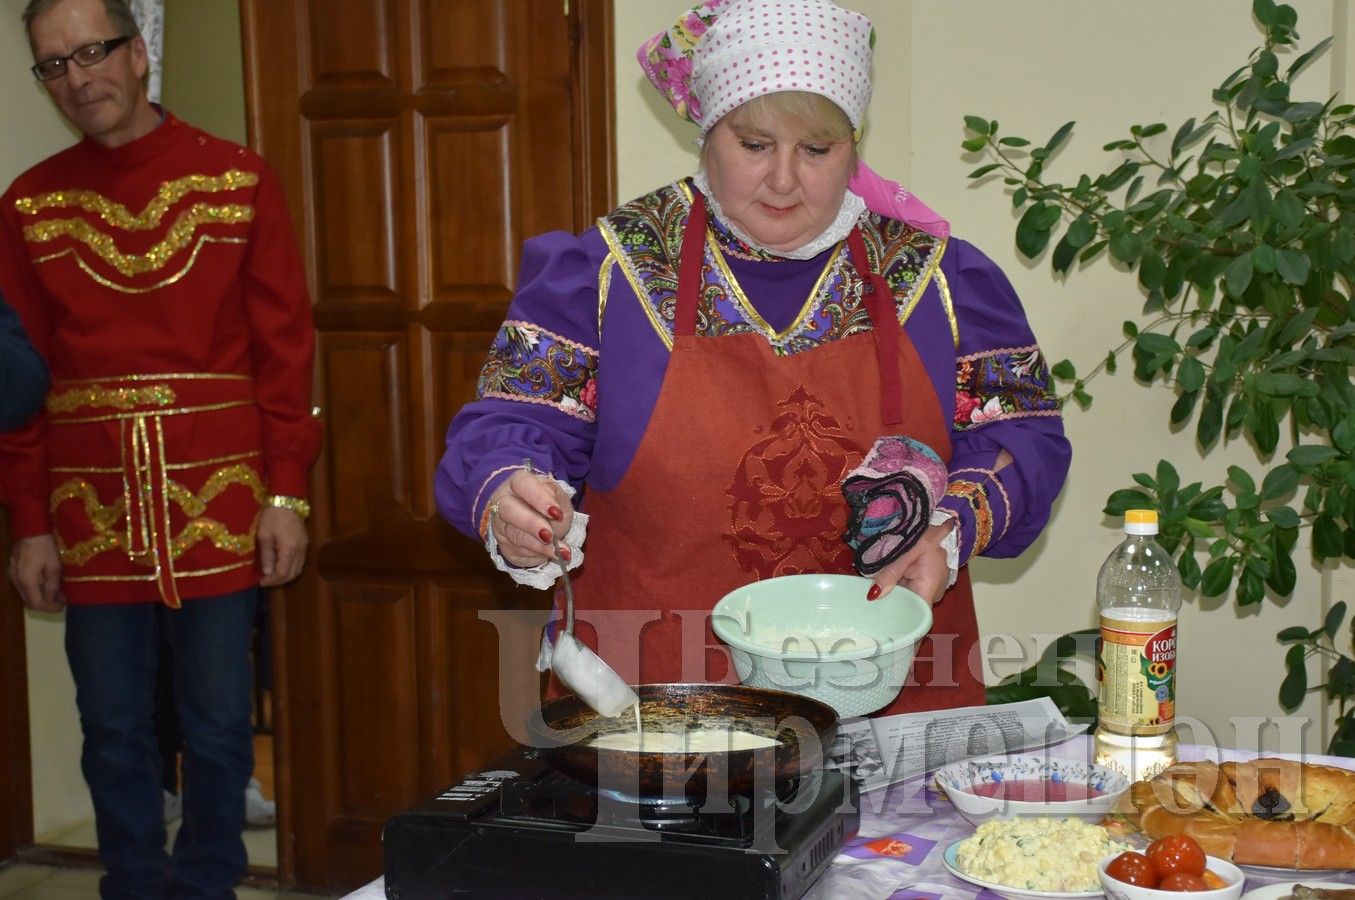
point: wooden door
(420, 141)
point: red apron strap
(884, 316)
(689, 267)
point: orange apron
(737, 479)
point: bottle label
(1136, 670)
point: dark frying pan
(803, 728)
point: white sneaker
(173, 806)
(259, 811)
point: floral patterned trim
(972, 493)
(993, 478)
(532, 365)
(908, 259)
(1007, 383)
(645, 237)
(803, 319)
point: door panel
(419, 143)
(357, 210)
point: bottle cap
(1140, 521)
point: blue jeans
(113, 652)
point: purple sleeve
(536, 394)
(1004, 400)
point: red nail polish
(545, 535)
(873, 593)
(565, 554)
(555, 513)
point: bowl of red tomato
(1167, 867)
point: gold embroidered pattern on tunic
(100, 516)
(196, 530)
(119, 216)
(118, 398)
(196, 504)
(179, 236)
(105, 519)
(86, 550)
(150, 288)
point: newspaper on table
(884, 751)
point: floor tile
(24, 882)
(45, 891)
(12, 878)
(72, 877)
(261, 844)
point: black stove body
(521, 831)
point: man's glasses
(88, 55)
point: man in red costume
(155, 269)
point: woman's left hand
(922, 569)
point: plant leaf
(1295, 684)
(1126, 498)
(1332, 624)
(1059, 137)
(1312, 455)
(1238, 275)
(1033, 230)
(1283, 576)
(1328, 541)
(1217, 576)
(1279, 482)
(1293, 265)
(976, 125)
(1283, 517)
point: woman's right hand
(529, 514)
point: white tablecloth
(906, 828)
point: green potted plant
(1240, 228)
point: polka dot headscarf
(726, 52)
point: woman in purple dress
(783, 364)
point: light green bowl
(819, 636)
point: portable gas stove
(520, 829)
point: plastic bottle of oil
(1138, 594)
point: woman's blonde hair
(815, 116)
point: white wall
(1033, 65)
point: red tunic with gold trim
(162, 282)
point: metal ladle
(582, 670)
(578, 667)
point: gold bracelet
(295, 504)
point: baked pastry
(1265, 812)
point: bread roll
(1265, 812)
